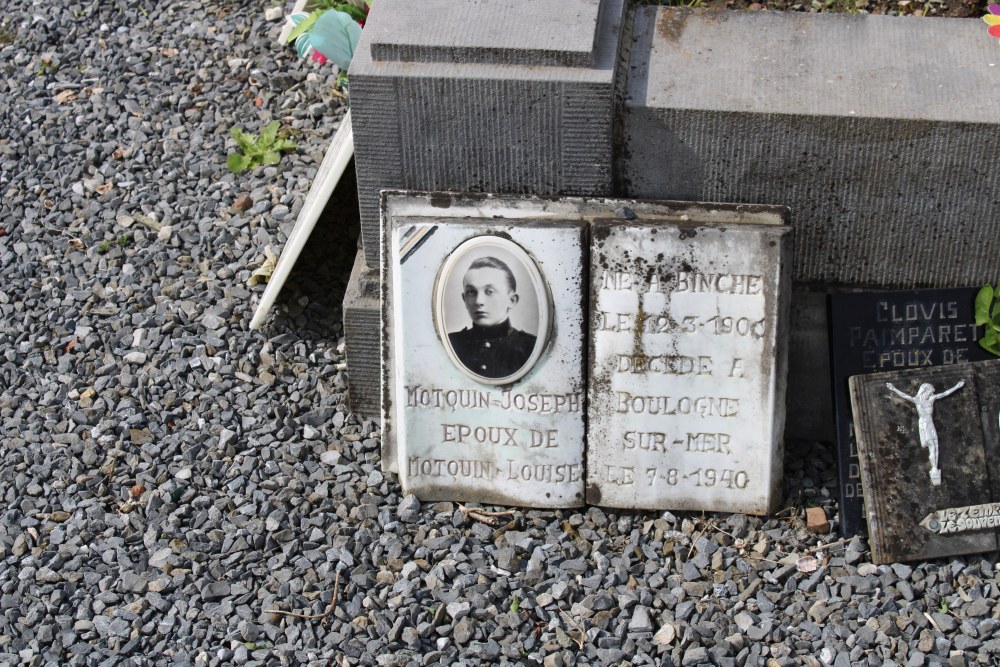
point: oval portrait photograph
(492, 309)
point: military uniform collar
(492, 331)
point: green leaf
(238, 162)
(515, 604)
(305, 26)
(983, 300)
(284, 145)
(268, 135)
(354, 12)
(246, 142)
(271, 157)
(991, 342)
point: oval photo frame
(492, 309)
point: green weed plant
(255, 151)
(988, 316)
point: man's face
(487, 295)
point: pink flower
(993, 20)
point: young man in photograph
(491, 347)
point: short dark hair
(494, 263)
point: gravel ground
(179, 490)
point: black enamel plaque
(872, 332)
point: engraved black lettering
(431, 397)
(616, 280)
(954, 356)
(664, 364)
(646, 441)
(654, 282)
(853, 336)
(717, 443)
(605, 321)
(718, 283)
(703, 406)
(882, 311)
(451, 468)
(545, 438)
(544, 472)
(620, 475)
(543, 404)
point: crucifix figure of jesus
(923, 400)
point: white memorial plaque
(687, 363)
(485, 336)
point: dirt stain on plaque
(593, 494)
(440, 200)
(670, 24)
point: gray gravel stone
(126, 363)
(695, 655)
(640, 621)
(978, 607)
(408, 509)
(458, 610)
(463, 631)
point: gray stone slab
(885, 151)
(484, 355)
(929, 446)
(361, 338)
(484, 127)
(689, 326)
(501, 32)
(871, 66)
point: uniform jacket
(495, 351)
